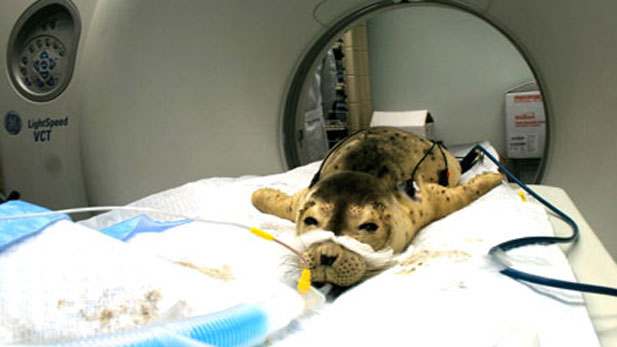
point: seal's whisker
(292, 261)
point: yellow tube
(261, 233)
(304, 283)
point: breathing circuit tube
(240, 325)
(501, 248)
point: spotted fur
(358, 195)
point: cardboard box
(525, 125)
(417, 122)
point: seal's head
(351, 204)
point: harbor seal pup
(363, 190)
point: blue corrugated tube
(240, 325)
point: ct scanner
(150, 94)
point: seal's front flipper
(447, 200)
(277, 203)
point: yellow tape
(304, 284)
(522, 195)
(261, 233)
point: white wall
(449, 62)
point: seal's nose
(327, 260)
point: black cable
(409, 188)
(444, 175)
(413, 172)
(544, 240)
(317, 175)
(468, 161)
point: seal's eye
(370, 227)
(310, 221)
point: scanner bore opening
(292, 137)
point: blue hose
(543, 240)
(240, 325)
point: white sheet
(444, 291)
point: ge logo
(12, 123)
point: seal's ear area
(275, 202)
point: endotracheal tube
(304, 282)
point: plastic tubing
(240, 325)
(497, 252)
(305, 276)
